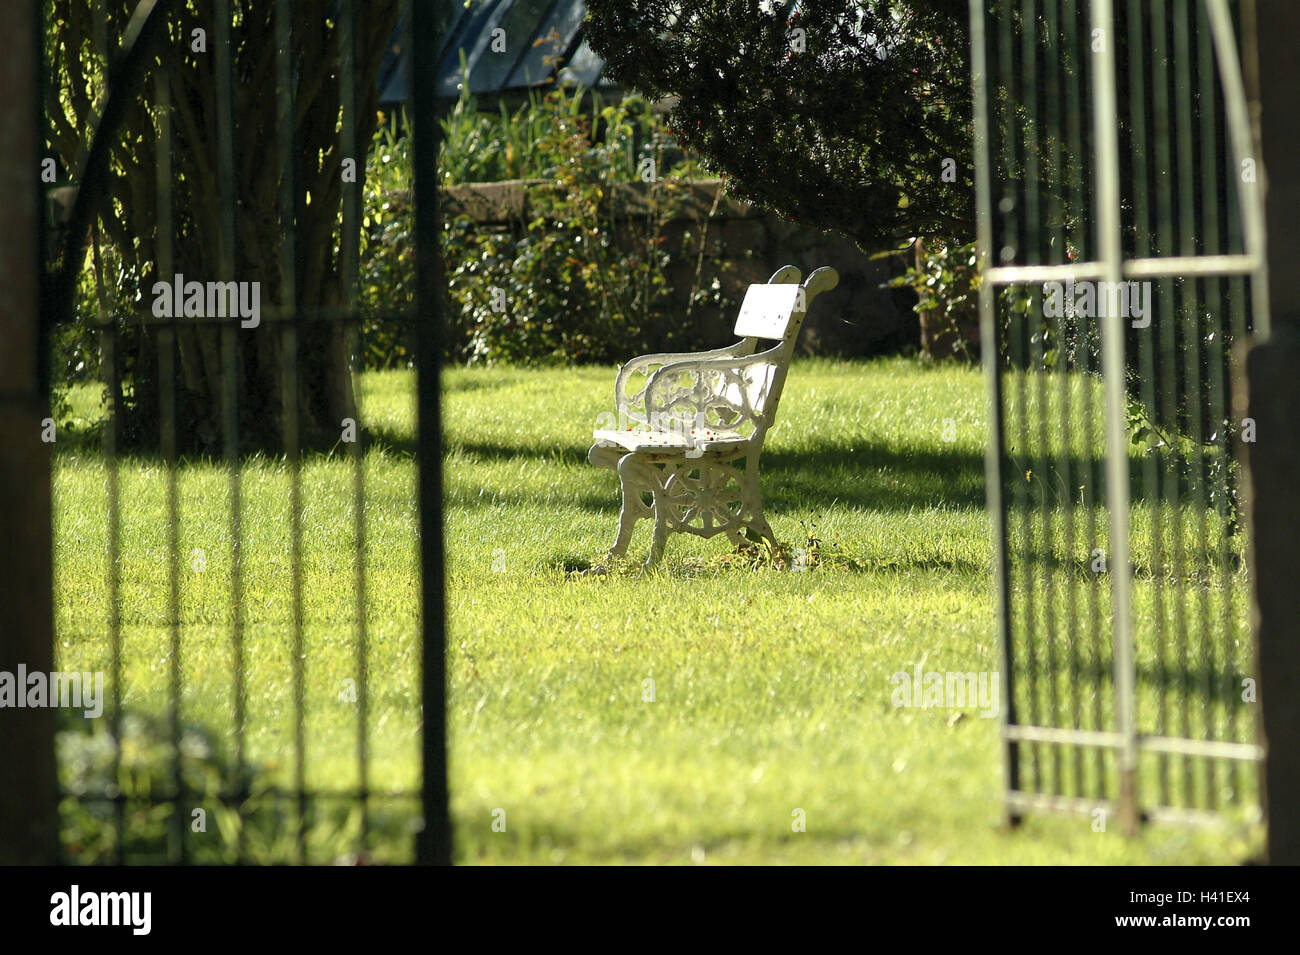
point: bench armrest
(631, 407)
(722, 393)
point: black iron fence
(213, 155)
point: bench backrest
(768, 310)
(775, 312)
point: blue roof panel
(509, 41)
(473, 38)
(556, 36)
(536, 38)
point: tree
(126, 211)
(846, 115)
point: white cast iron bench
(690, 426)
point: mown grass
(690, 715)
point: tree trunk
(129, 215)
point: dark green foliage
(580, 278)
(386, 283)
(946, 280)
(843, 126)
(145, 776)
(125, 215)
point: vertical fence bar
(1177, 339)
(1173, 641)
(350, 265)
(1239, 660)
(1056, 239)
(108, 339)
(1077, 202)
(1117, 489)
(428, 20)
(29, 796)
(991, 358)
(109, 331)
(1211, 336)
(167, 442)
(1033, 242)
(1189, 356)
(230, 396)
(1019, 362)
(1274, 405)
(289, 404)
(1218, 675)
(1139, 89)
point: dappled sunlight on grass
(681, 716)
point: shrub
(581, 278)
(946, 280)
(143, 759)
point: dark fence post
(1274, 404)
(433, 844)
(28, 798)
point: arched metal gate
(1122, 250)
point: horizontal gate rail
(1217, 749)
(1165, 267)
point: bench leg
(660, 534)
(635, 477)
(633, 510)
(658, 484)
(754, 505)
(763, 529)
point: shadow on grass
(725, 560)
(871, 476)
(1195, 688)
(89, 442)
(874, 476)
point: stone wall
(743, 245)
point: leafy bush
(1183, 430)
(144, 771)
(946, 280)
(387, 263)
(493, 147)
(580, 279)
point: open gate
(213, 746)
(1121, 243)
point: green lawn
(771, 690)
